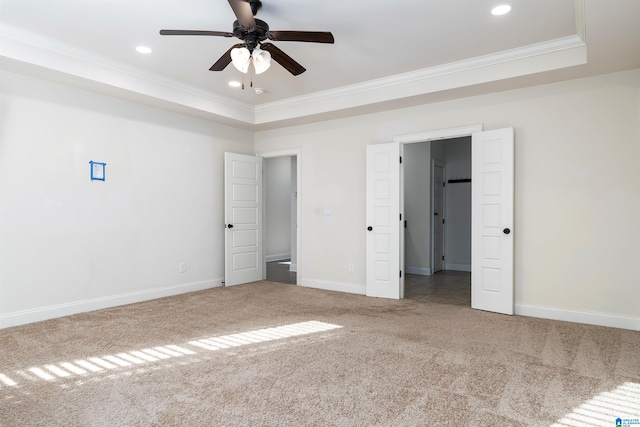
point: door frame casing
(297, 152)
(435, 135)
(427, 136)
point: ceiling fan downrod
(256, 5)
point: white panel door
(492, 154)
(384, 257)
(243, 218)
(438, 217)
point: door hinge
(400, 273)
(400, 217)
(443, 257)
(400, 159)
(443, 184)
(405, 223)
(443, 220)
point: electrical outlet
(182, 268)
(351, 267)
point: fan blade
(302, 36)
(283, 59)
(224, 60)
(242, 10)
(195, 33)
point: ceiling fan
(254, 34)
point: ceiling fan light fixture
(241, 58)
(261, 60)
(253, 33)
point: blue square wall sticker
(97, 170)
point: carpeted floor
(267, 354)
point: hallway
(278, 271)
(444, 287)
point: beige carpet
(226, 357)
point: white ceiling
(386, 55)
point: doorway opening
(437, 203)
(280, 191)
(492, 248)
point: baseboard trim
(457, 267)
(293, 268)
(589, 318)
(278, 257)
(418, 270)
(334, 286)
(51, 312)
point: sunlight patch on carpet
(87, 365)
(7, 381)
(42, 374)
(619, 407)
(262, 335)
(125, 361)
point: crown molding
(101, 74)
(545, 56)
(25, 47)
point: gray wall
(294, 214)
(458, 205)
(277, 190)
(456, 153)
(417, 202)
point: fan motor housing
(251, 36)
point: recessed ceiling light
(235, 84)
(503, 9)
(144, 49)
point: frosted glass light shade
(240, 58)
(261, 60)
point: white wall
(69, 244)
(576, 189)
(277, 230)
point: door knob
(230, 226)
(435, 213)
(370, 228)
(506, 231)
